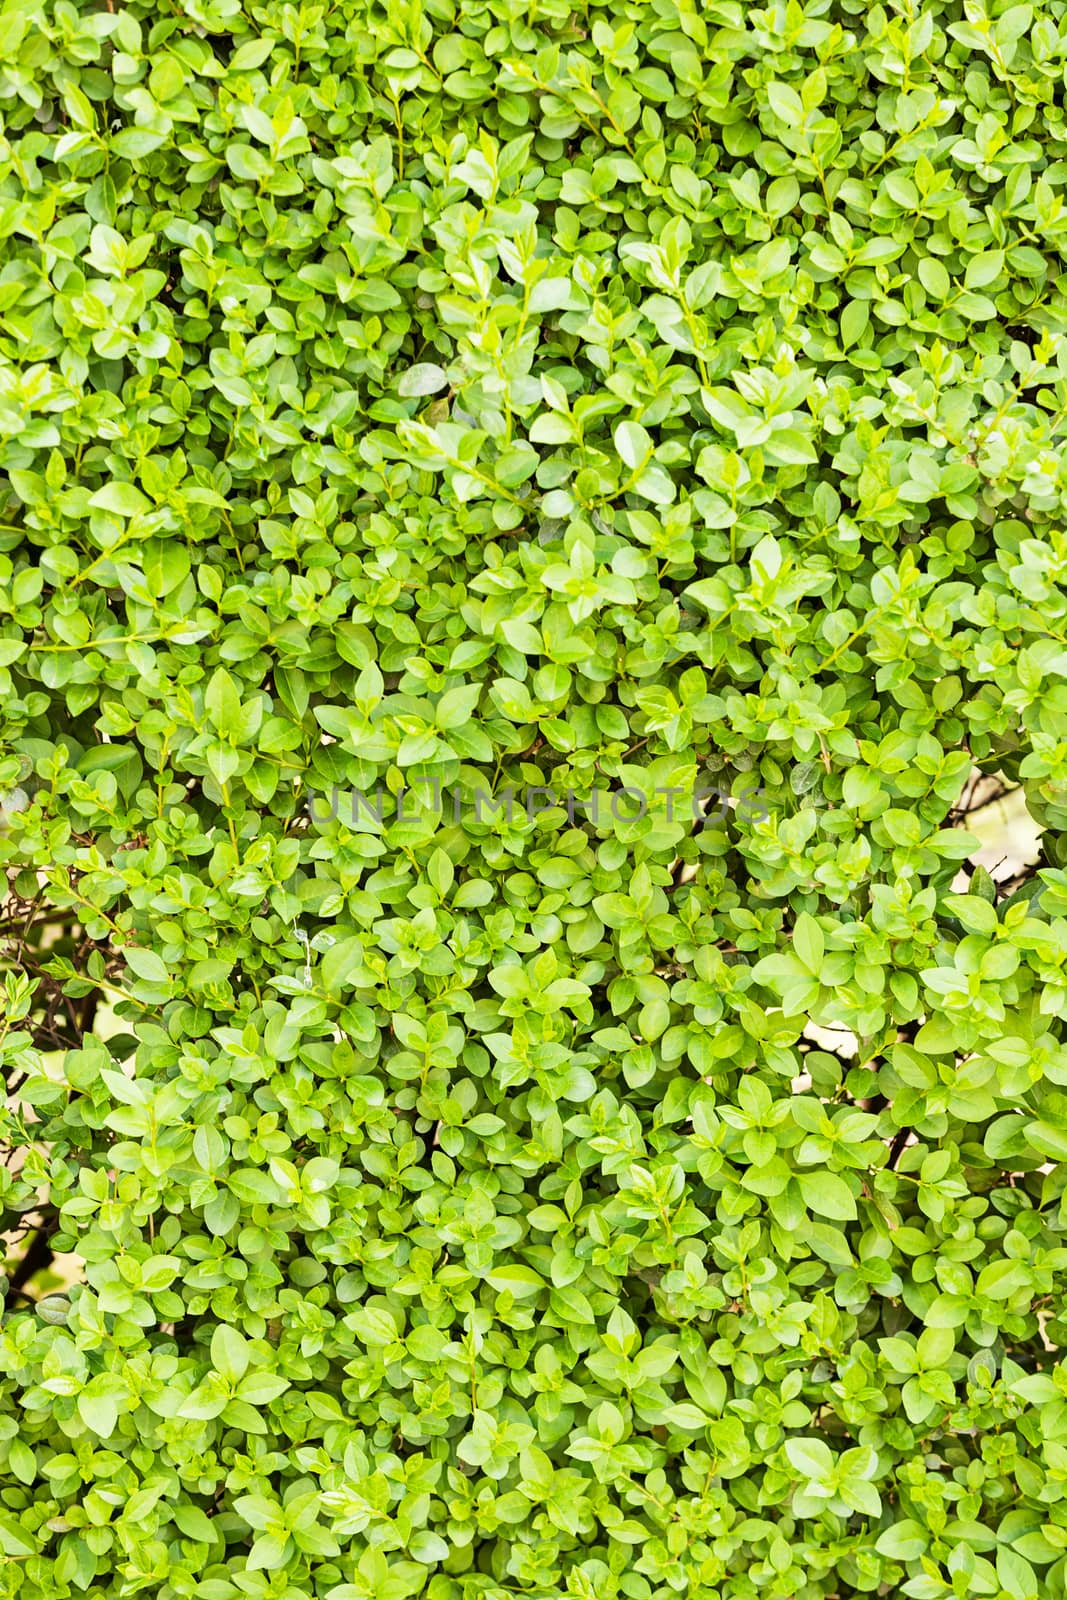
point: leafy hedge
(476, 1193)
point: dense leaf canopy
(623, 1154)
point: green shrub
(437, 442)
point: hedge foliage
(431, 400)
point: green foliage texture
(429, 395)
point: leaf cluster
(430, 399)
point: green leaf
(229, 1353)
(425, 378)
(811, 1457)
(785, 103)
(904, 1541)
(827, 1195)
(195, 1524)
(222, 702)
(808, 942)
(343, 964)
(517, 1280)
(633, 444)
(121, 499)
(99, 1411)
(259, 1388)
(14, 1539)
(147, 964)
